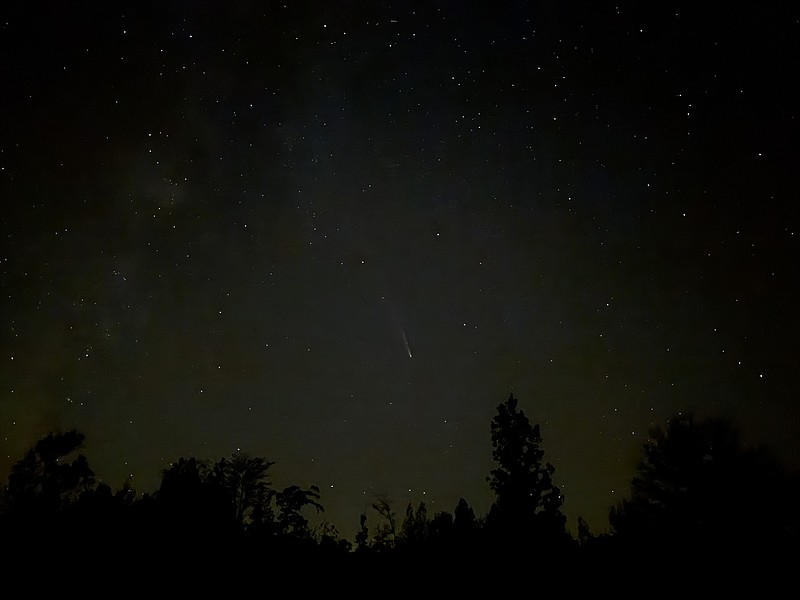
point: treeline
(699, 498)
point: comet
(405, 341)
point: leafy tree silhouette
(330, 540)
(362, 536)
(53, 512)
(701, 500)
(386, 533)
(45, 480)
(193, 511)
(527, 508)
(290, 503)
(692, 484)
(244, 479)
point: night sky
(338, 234)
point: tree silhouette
(290, 503)
(415, 528)
(244, 479)
(465, 525)
(698, 490)
(41, 507)
(362, 537)
(585, 535)
(45, 480)
(182, 480)
(527, 503)
(440, 528)
(698, 496)
(330, 540)
(192, 508)
(386, 533)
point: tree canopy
(697, 481)
(698, 491)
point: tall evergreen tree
(528, 503)
(416, 525)
(465, 524)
